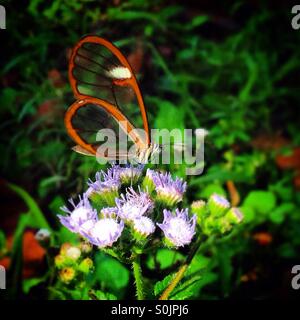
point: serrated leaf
(186, 289)
(183, 295)
(100, 295)
(160, 286)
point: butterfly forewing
(98, 70)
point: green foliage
(260, 201)
(164, 258)
(112, 274)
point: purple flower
(134, 204)
(105, 181)
(168, 190)
(178, 229)
(144, 226)
(221, 201)
(81, 218)
(105, 232)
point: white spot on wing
(120, 73)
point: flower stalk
(138, 278)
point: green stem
(180, 273)
(137, 272)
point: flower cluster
(72, 261)
(124, 210)
(216, 216)
(116, 204)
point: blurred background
(231, 67)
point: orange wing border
(114, 112)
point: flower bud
(86, 265)
(104, 189)
(73, 253)
(218, 205)
(169, 191)
(67, 274)
(85, 247)
(43, 237)
(223, 225)
(234, 216)
(64, 247)
(148, 184)
(104, 198)
(59, 261)
(130, 175)
(199, 209)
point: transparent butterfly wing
(100, 130)
(97, 69)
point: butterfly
(108, 97)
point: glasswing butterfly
(107, 93)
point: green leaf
(30, 283)
(186, 289)
(2, 241)
(37, 219)
(225, 268)
(287, 250)
(175, 118)
(260, 201)
(198, 21)
(160, 286)
(16, 258)
(165, 258)
(249, 214)
(112, 274)
(198, 264)
(7, 99)
(56, 204)
(277, 216)
(46, 184)
(64, 235)
(100, 295)
(207, 278)
(210, 189)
